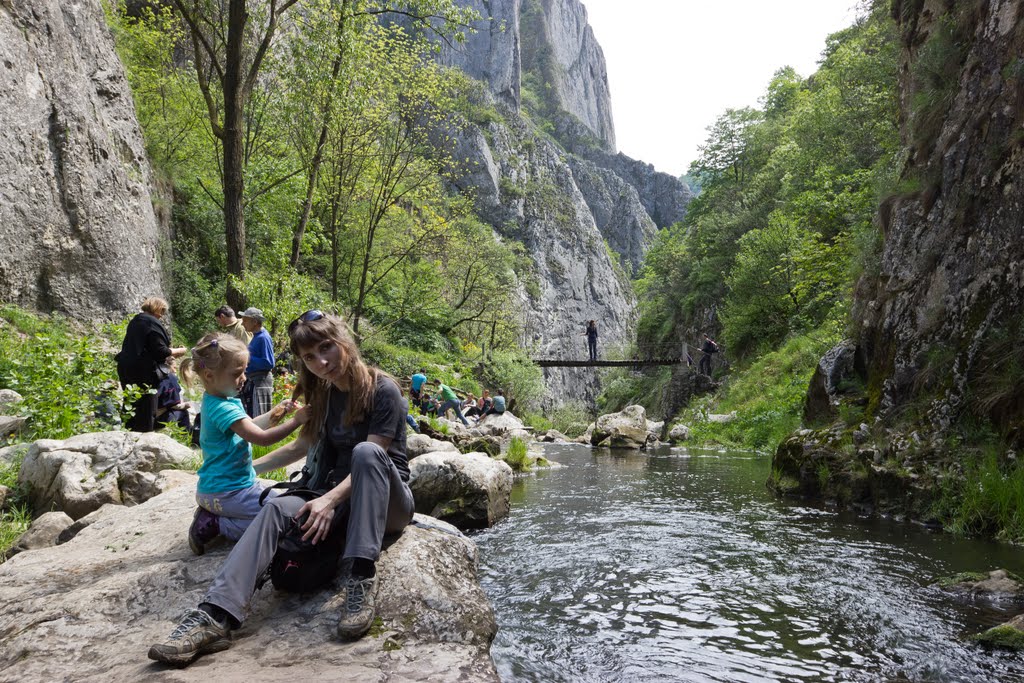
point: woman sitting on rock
(358, 465)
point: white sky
(675, 65)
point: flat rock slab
(89, 609)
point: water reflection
(682, 566)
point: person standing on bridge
(708, 349)
(592, 339)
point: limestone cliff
(526, 189)
(491, 52)
(78, 231)
(545, 173)
(952, 267)
(560, 50)
(938, 324)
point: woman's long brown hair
(315, 391)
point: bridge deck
(551, 363)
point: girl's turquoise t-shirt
(227, 457)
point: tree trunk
(234, 133)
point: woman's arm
(282, 457)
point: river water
(682, 566)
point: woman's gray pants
(381, 503)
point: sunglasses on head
(307, 317)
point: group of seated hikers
(437, 398)
(352, 492)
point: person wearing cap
(225, 316)
(258, 391)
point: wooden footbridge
(647, 356)
(633, 363)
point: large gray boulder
(823, 394)
(44, 531)
(469, 490)
(89, 609)
(418, 444)
(9, 398)
(80, 233)
(80, 474)
(627, 429)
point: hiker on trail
(497, 407)
(258, 392)
(225, 316)
(449, 400)
(591, 333)
(353, 490)
(416, 384)
(169, 406)
(143, 358)
(708, 349)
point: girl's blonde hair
(211, 353)
(155, 306)
(315, 392)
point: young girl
(228, 493)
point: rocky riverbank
(105, 570)
(88, 609)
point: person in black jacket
(142, 360)
(708, 349)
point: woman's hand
(303, 415)
(321, 514)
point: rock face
(938, 319)
(560, 47)
(938, 323)
(79, 233)
(491, 52)
(468, 490)
(833, 369)
(89, 609)
(563, 193)
(84, 472)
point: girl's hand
(321, 513)
(278, 412)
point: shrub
(67, 377)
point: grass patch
(988, 500)
(767, 397)
(14, 522)
(518, 456)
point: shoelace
(193, 618)
(356, 594)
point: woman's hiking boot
(205, 527)
(197, 634)
(359, 606)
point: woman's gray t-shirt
(387, 418)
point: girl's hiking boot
(359, 607)
(205, 527)
(197, 634)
